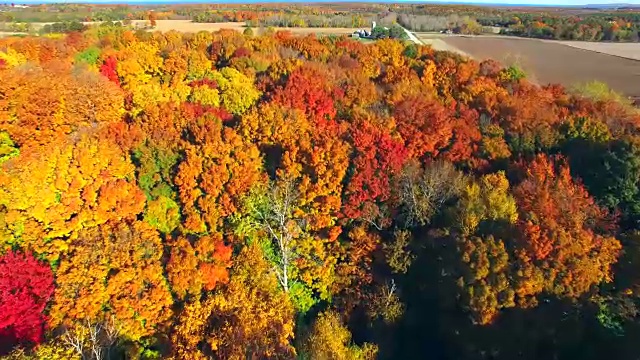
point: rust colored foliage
(466, 140)
(530, 117)
(353, 274)
(561, 232)
(425, 125)
(194, 268)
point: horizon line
(255, 2)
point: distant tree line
(456, 23)
(63, 27)
(598, 27)
(619, 26)
(315, 21)
(393, 32)
(562, 24)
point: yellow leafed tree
(49, 194)
(250, 318)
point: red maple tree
(26, 285)
(108, 69)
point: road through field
(553, 62)
(434, 42)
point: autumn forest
(237, 195)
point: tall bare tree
(421, 193)
(92, 340)
(271, 209)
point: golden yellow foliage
(237, 92)
(331, 340)
(50, 194)
(487, 200)
(12, 58)
(255, 317)
(205, 96)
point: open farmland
(625, 50)
(5, 34)
(437, 43)
(554, 62)
(189, 26)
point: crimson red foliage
(108, 69)
(348, 63)
(26, 285)
(379, 157)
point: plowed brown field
(553, 62)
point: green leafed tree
(90, 56)
(269, 218)
(8, 148)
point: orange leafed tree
(38, 106)
(114, 271)
(201, 266)
(218, 168)
(425, 125)
(311, 151)
(564, 233)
